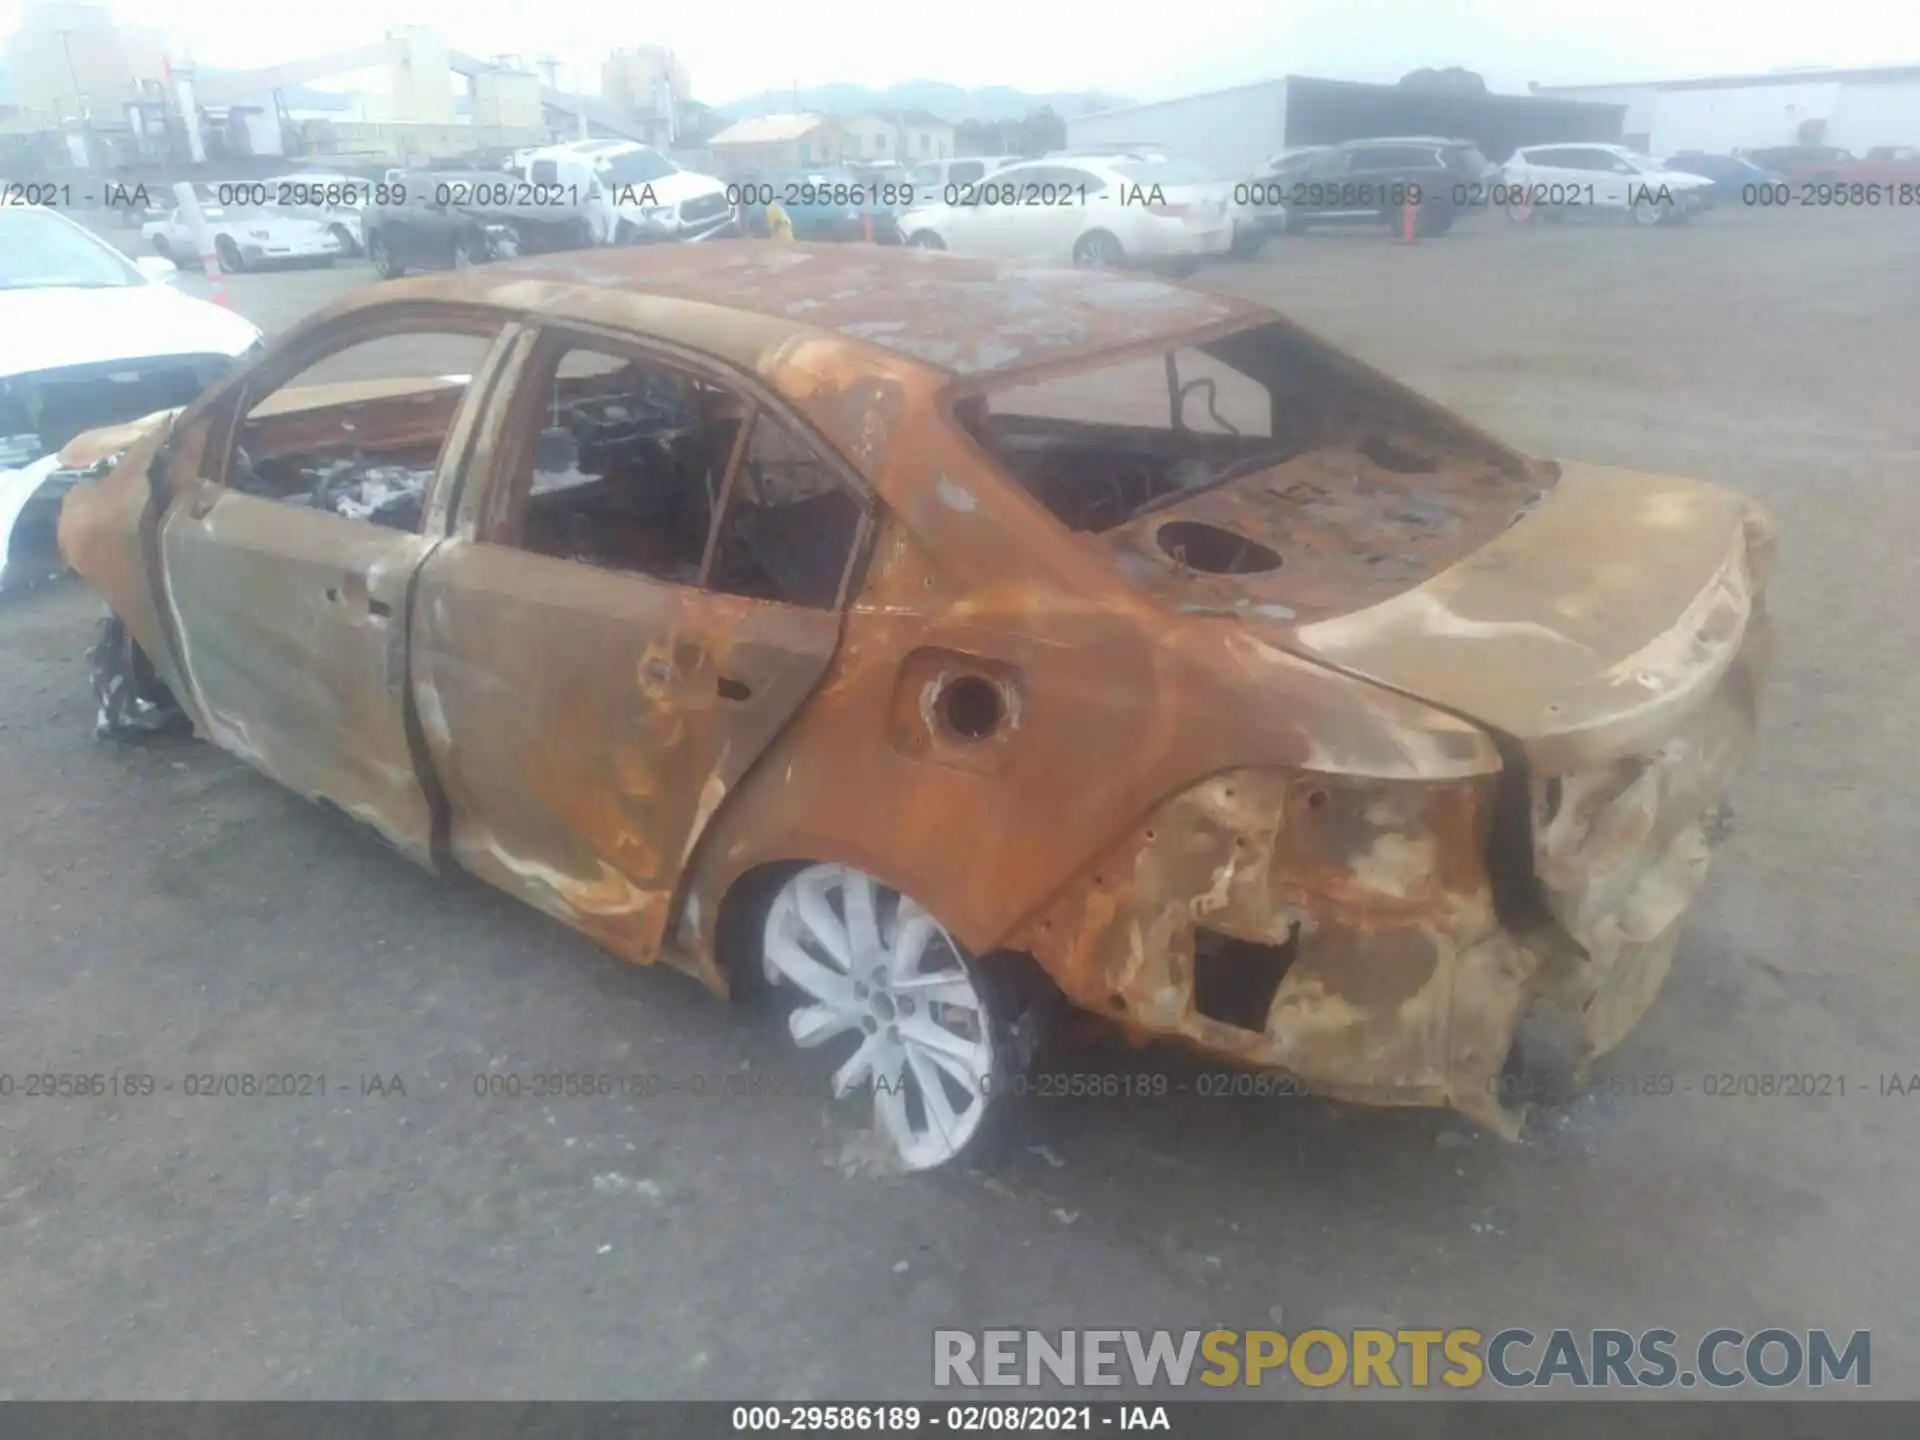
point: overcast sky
(735, 48)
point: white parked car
(1157, 211)
(88, 338)
(337, 201)
(1603, 179)
(633, 192)
(244, 239)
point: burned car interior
(631, 466)
(348, 436)
(1347, 492)
(627, 471)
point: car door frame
(362, 621)
(597, 873)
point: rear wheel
(229, 256)
(1099, 250)
(385, 264)
(924, 1027)
(927, 240)
(1247, 242)
(465, 253)
(1648, 211)
(345, 237)
(162, 248)
(508, 244)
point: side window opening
(359, 432)
(1097, 447)
(790, 526)
(627, 466)
(631, 464)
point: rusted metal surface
(1344, 531)
(956, 315)
(1380, 741)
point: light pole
(79, 97)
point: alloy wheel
(871, 963)
(1099, 251)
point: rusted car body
(1348, 741)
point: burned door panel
(292, 625)
(289, 546)
(585, 724)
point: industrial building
(1853, 109)
(1235, 130)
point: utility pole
(79, 97)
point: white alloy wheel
(1098, 250)
(870, 962)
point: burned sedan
(936, 639)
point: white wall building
(1860, 109)
(897, 137)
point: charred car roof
(960, 316)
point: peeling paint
(1264, 810)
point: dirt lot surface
(172, 914)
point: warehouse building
(1856, 110)
(1235, 130)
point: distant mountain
(949, 102)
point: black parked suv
(432, 219)
(1371, 182)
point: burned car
(938, 640)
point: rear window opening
(1101, 447)
(1234, 980)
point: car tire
(927, 240)
(232, 262)
(380, 252)
(132, 702)
(1247, 243)
(466, 253)
(345, 237)
(1647, 211)
(933, 1033)
(162, 248)
(1099, 250)
(1432, 223)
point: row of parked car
(1139, 205)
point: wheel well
(743, 909)
(736, 926)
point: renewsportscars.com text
(1458, 1359)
